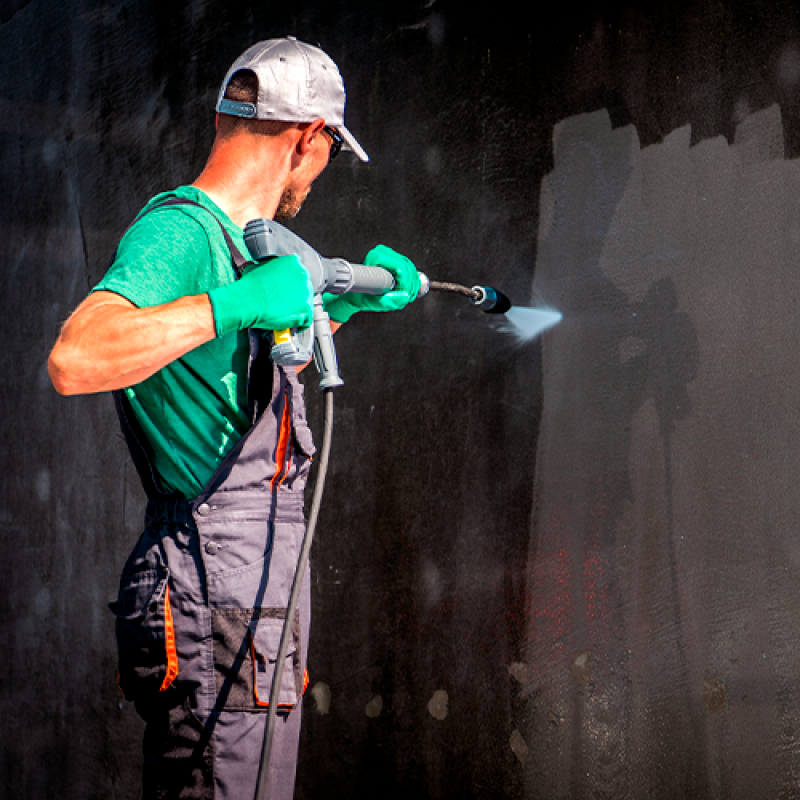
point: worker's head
(293, 82)
(285, 88)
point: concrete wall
(561, 569)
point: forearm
(108, 343)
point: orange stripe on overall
(259, 701)
(172, 651)
(283, 450)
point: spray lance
(266, 238)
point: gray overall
(202, 602)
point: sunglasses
(337, 140)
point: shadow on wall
(663, 553)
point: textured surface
(560, 570)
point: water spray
(522, 322)
(266, 238)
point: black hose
(305, 551)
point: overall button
(211, 548)
(203, 509)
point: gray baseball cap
(297, 82)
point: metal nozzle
(491, 301)
(424, 285)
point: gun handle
(324, 349)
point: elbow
(62, 375)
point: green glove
(274, 294)
(341, 307)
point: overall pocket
(246, 643)
(148, 661)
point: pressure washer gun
(265, 238)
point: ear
(310, 132)
(216, 121)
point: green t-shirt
(194, 410)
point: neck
(245, 176)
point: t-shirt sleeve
(164, 256)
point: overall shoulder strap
(135, 439)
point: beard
(290, 204)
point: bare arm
(109, 343)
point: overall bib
(202, 602)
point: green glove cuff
(337, 306)
(271, 295)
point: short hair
(243, 88)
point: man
(217, 431)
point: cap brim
(351, 144)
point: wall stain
(714, 698)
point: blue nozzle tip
(491, 301)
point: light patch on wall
(52, 151)
(519, 672)
(667, 449)
(374, 707)
(42, 603)
(321, 693)
(518, 746)
(437, 705)
(582, 666)
(436, 29)
(431, 584)
(433, 160)
(43, 485)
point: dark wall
(563, 569)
